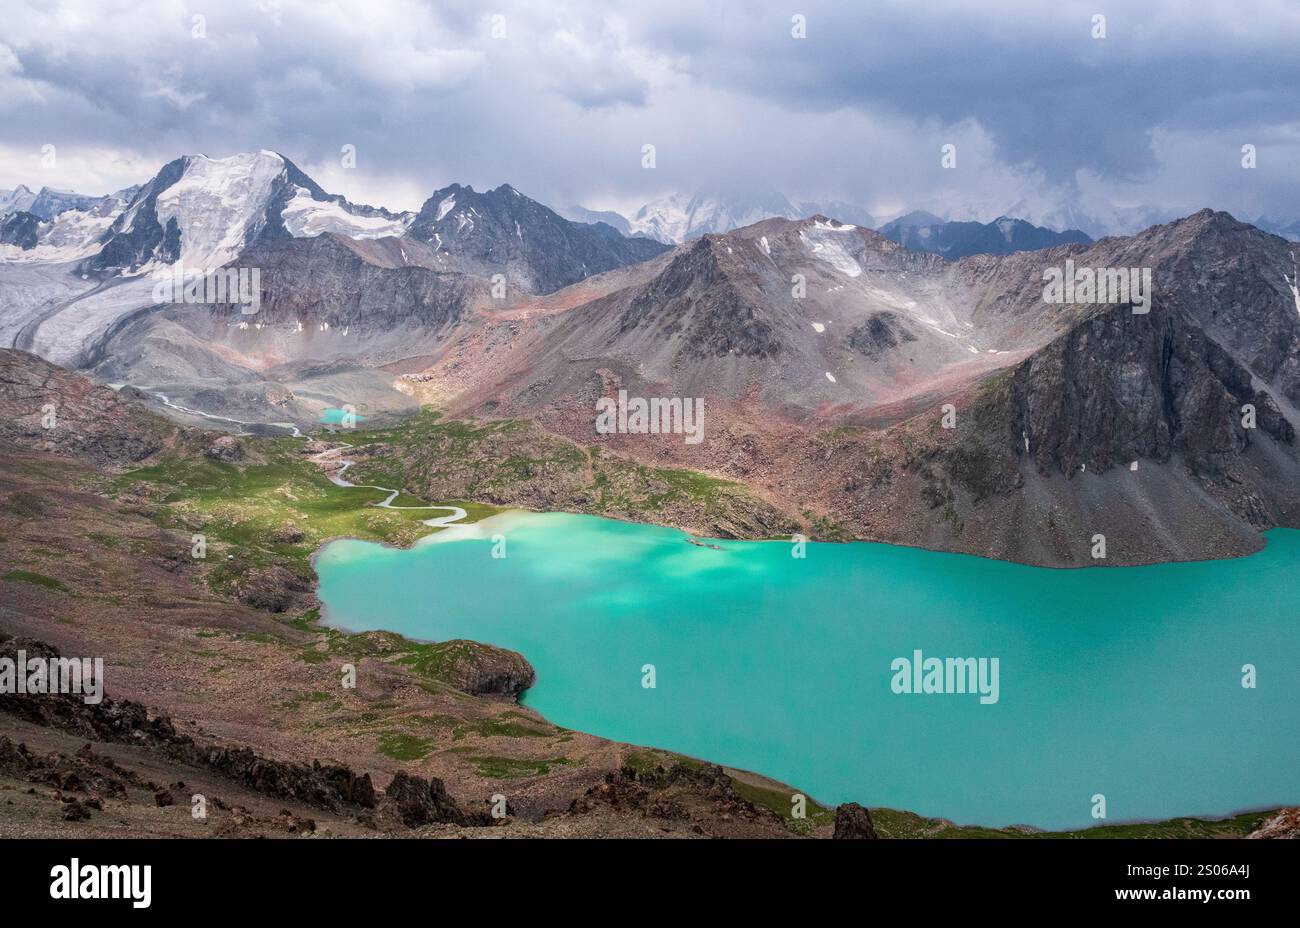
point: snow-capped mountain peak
(504, 231)
(677, 218)
(20, 198)
(219, 205)
(204, 211)
(665, 220)
(59, 226)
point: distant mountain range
(679, 218)
(669, 220)
(205, 212)
(1289, 230)
(77, 283)
(923, 231)
(503, 231)
(675, 219)
(48, 203)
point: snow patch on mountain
(1294, 284)
(676, 218)
(828, 244)
(305, 217)
(666, 219)
(20, 198)
(71, 235)
(832, 226)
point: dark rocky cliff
(1121, 387)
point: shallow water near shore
(1124, 682)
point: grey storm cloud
(558, 98)
(1030, 73)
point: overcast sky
(1042, 113)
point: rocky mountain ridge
(534, 248)
(1002, 236)
(831, 402)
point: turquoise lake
(1121, 681)
(332, 415)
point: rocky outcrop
(84, 772)
(485, 670)
(273, 587)
(502, 231)
(880, 333)
(410, 800)
(326, 786)
(695, 297)
(417, 802)
(46, 408)
(853, 821)
(1285, 824)
(20, 228)
(354, 286)
(705, 797)
(225, 448)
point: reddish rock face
(1285, 824)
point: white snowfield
(307, 218)
(72, 235)
(67, 336)
(1294, 283)
(833, 226)
(28, 291)
(676, 218)
(219, 204)
(827, 243)
(665, 220)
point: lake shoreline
(336, 620)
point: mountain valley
(826, 355)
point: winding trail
(327, 458)
(162, 398)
